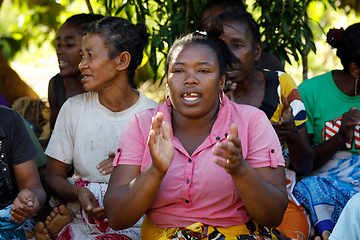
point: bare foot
(41, 232)
(54, 223)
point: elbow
(306, 164)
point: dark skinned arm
(32, 196)
(300, 152)
(54, 108)
(130, 192)
(323, 152)
(262, 190)
(59, 187)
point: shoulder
(313, 83)
(9, 115)
(146, 102)
(245, 112)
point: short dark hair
(120, 35)
(347, 44)
(82, 20)
(225, 4)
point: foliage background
(28, 29)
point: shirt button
(187, 181)
(226, 134)
(218, 138)
(119, 149)
(272, 150)
(187, 201)
(189, 160)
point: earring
(167, 96)
(220, 98)
(356, 83)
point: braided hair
(120, 35)
(347, 44)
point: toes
(325, 235)
(39, 227)
(49, 219)
(64, 210)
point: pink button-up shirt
(195, 188)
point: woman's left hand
(231, 151)
(25, 206)
(105, 167)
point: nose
(59, 49)
(82, 65)
(190, 79)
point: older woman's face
(194, 81)
(240, 41)
(97, 70)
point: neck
(193, 126)
(118, 99)
(346, 83)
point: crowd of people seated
(236, 151)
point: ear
(354, 69)
(123, 60)
(222, 82)
(257, 51)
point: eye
(178, 70)
(204, 70)
(81, 55)
(238, 45)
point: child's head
(69, 42)
(120, 35)
(347, 43)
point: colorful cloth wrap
(9, 229)
(325, 195)
(249, 231)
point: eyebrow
(199, 63)
(67, 37)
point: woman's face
(97, 70)
(240, 41)
(67, 50)
(194, 81)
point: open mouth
(191, 97)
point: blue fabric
(9, 229)
(324, 196)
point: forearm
(323, 152)
(300, 153)
(125, 205)
(61, 189)
(265, 202)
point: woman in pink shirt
(198, 166)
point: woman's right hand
(160, 143)
(349, 120)
(89, 204)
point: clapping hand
(349, 120)
(160, 143)
(231, 151)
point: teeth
(191, 96)
(231, 72)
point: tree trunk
(11, 85)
